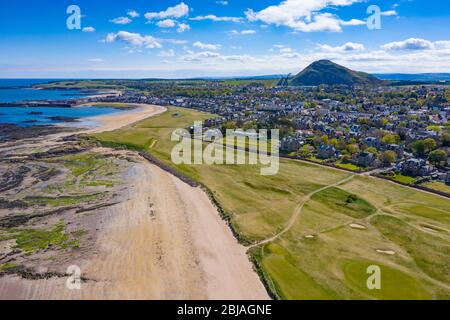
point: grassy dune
(323, 255)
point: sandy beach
(124, 118)
(166, 240)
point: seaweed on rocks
(13, 179)
(14, 221)
(12, 132)
(15, 204)
(58, 152)
(45, 174)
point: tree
(430, 144)
(390, 139)
(384, 122)
(419, 148)
(310, 105)
(388, 157)
(445, 140)
(372, 150)
(434, 128)
(342, 145)
(351, 198)
(306, 151)
(353, 148)
(334, 142)
(437, 156)
(422, 147)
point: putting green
(395, 285)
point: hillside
(330, 73)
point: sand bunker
(388, 252)
(357, 226)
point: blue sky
(190, 38)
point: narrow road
(297, 212)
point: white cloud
(167, 23)
(243, 32)
(175, 41)
(88, 29)
(167, 54)
(290, 55)
(285, 52)
(217, 19)
(170, 23)
(134, 39)
(222, 2)
(182, 27)
(409, 44)
(110, 37)
(349, 46)
(304, 16)
(178, 11)
(207, 57)
(389, 13)
(191, 64)
(284, 59)
(442, 45)
(198, 56)
(353, 22)
(133, 13)
(206, 46)
(121, 20)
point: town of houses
(404, 136)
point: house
(372, 142)
(354, 130)
(399, 150)
(327, 152)
(365, 159)
(290, 144)
(415, 167)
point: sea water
(16, 90)
(42, 115)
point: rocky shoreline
(53, 192)
(12, 132)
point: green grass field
(404, 179)
(439, 186)
(116, 105)
(81, 84)
(348, 166)
(322, 256)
